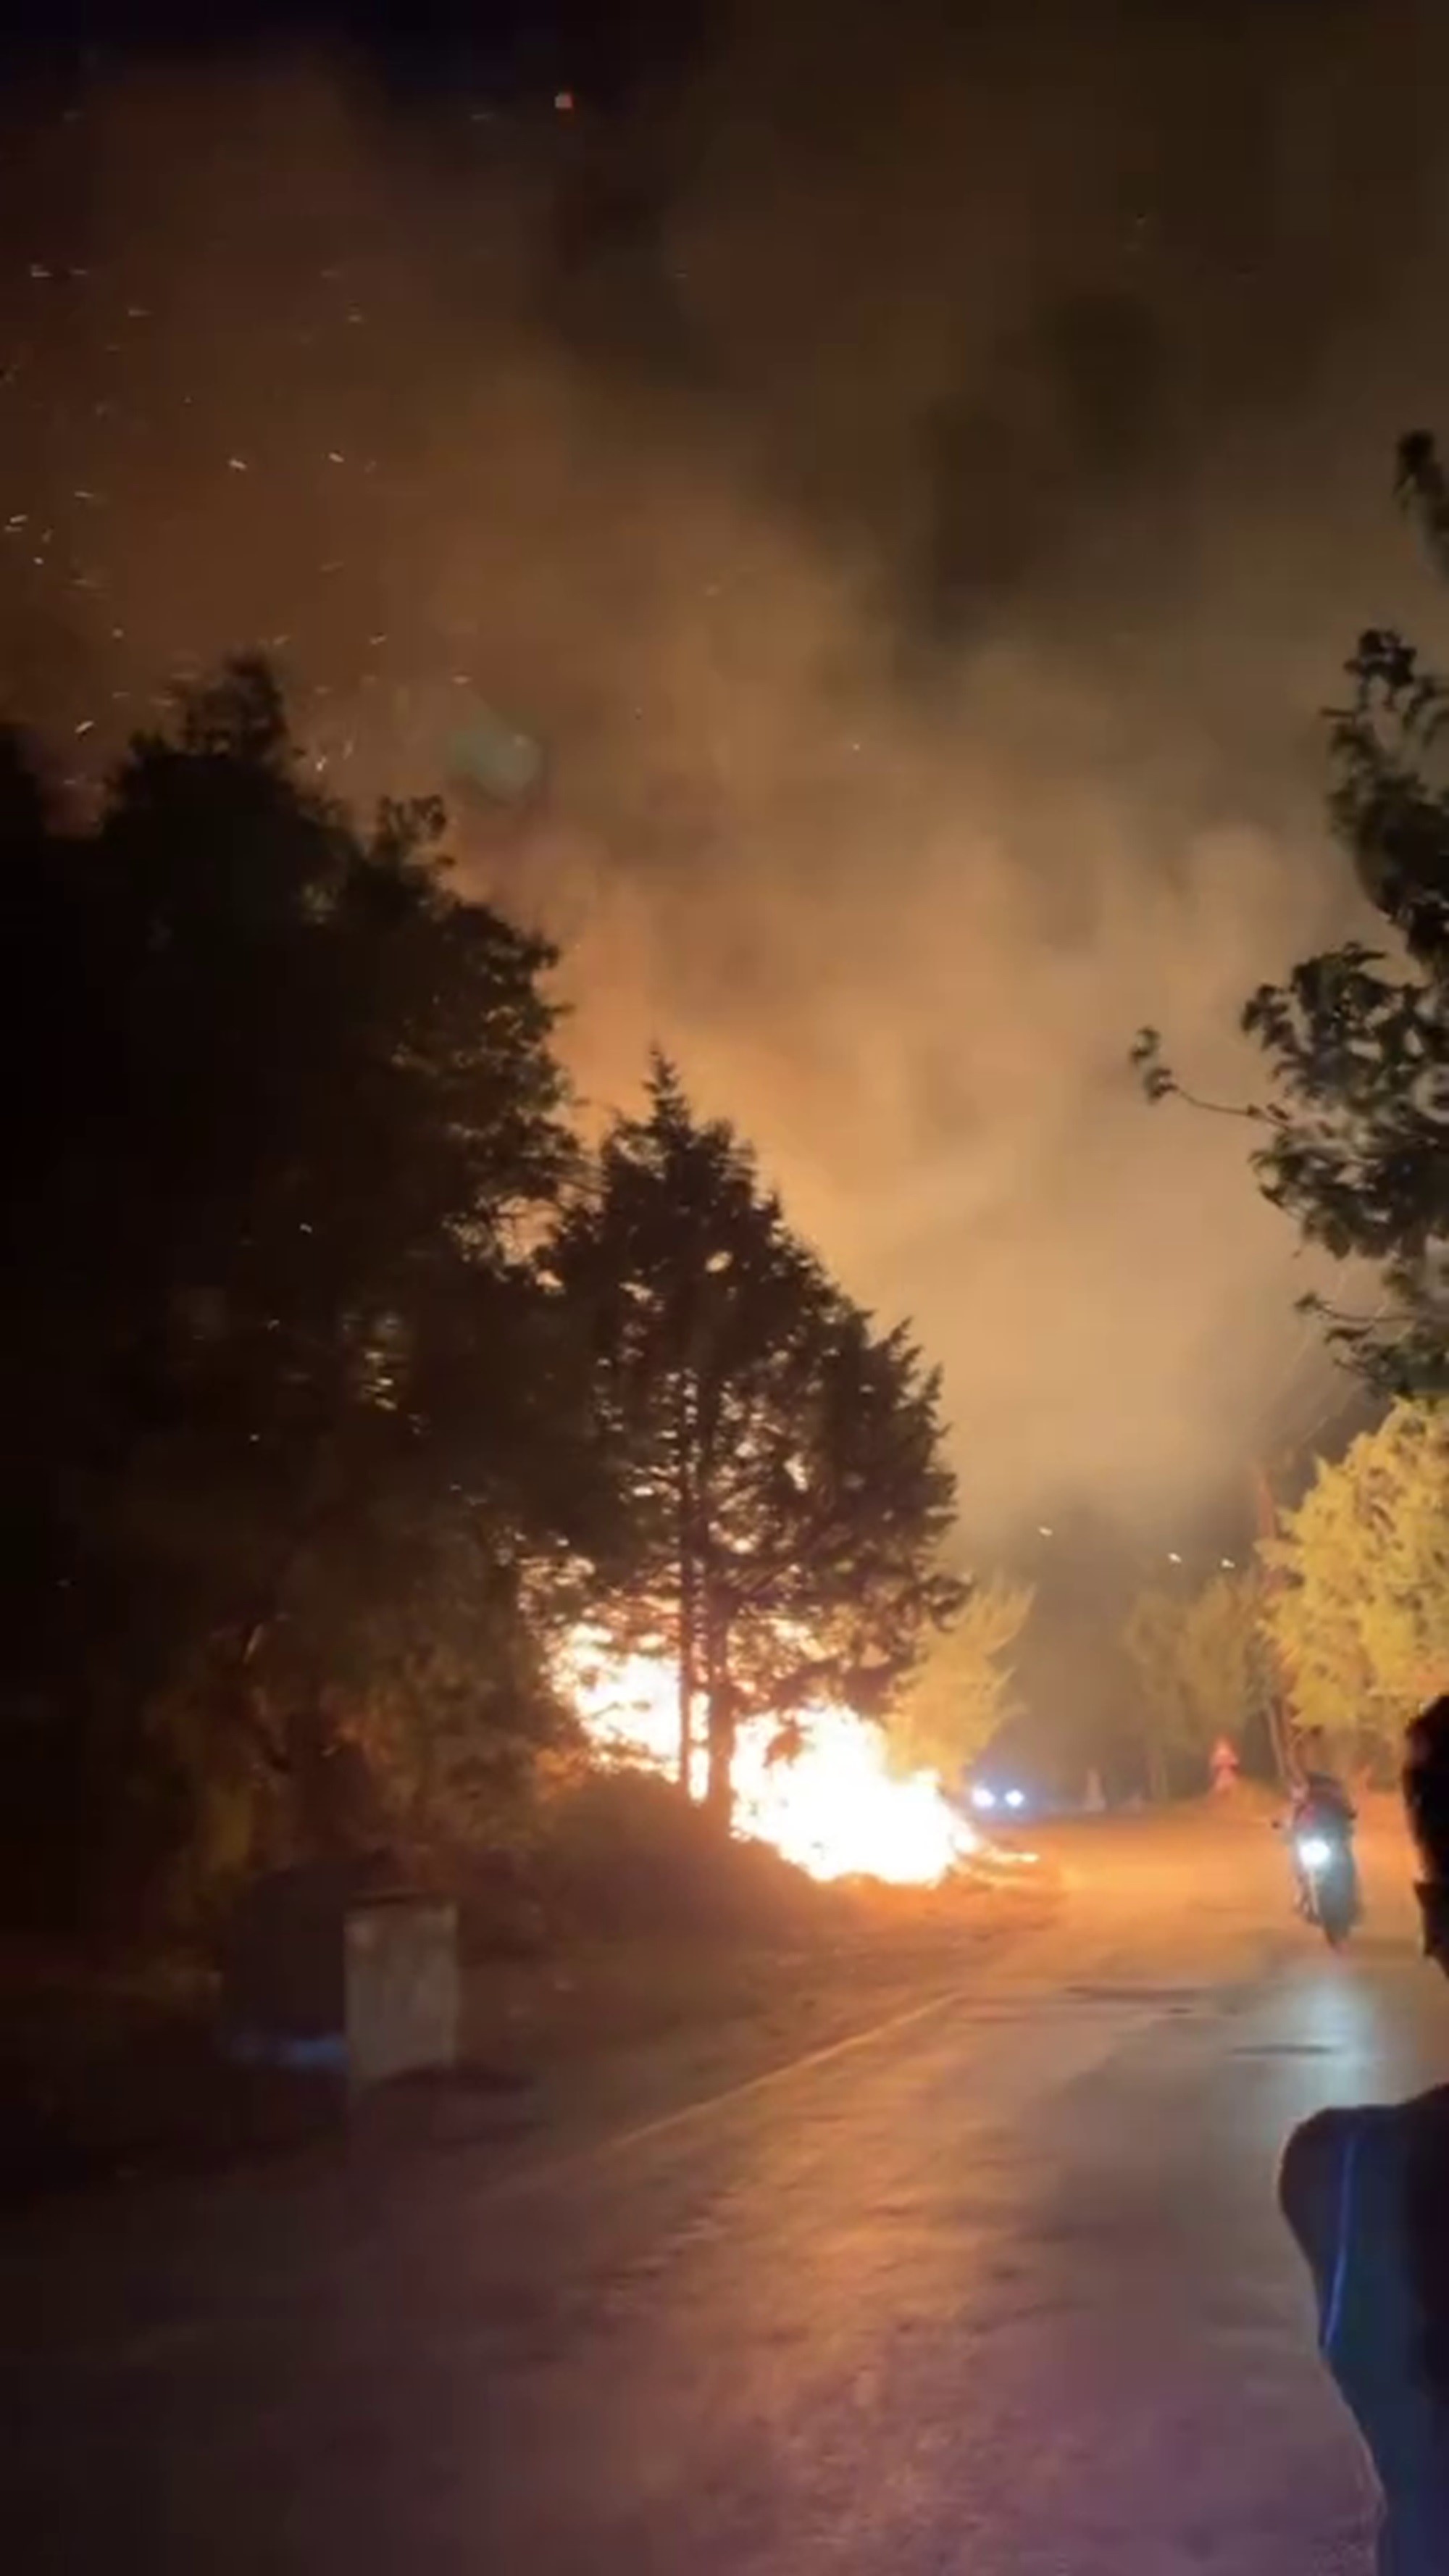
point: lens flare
(835, 1809)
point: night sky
(909, 475)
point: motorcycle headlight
(1314, 1852)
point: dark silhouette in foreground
(1363, 2192)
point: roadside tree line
(344, 1374)
(1342, 1619)
(1349, 1605)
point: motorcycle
(1328, 1878)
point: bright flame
(836, 1810)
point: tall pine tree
(779, 1462)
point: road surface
(1000, 2289)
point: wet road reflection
(1004, 2290)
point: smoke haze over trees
(927, 680)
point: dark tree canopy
(278, 1105)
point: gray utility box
(403, 1998)
(338, 1971)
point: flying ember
(836, 1809)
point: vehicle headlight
(1016, 1797)
(1314, 1852)
(985, 1799)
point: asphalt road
(1000, 2288)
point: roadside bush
(623, 1853)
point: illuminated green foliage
(961, 1692)
(1360, 1614)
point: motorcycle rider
(1319, 1803)
(1363, 2193)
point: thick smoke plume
(916, 481)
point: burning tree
(778, 1462)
